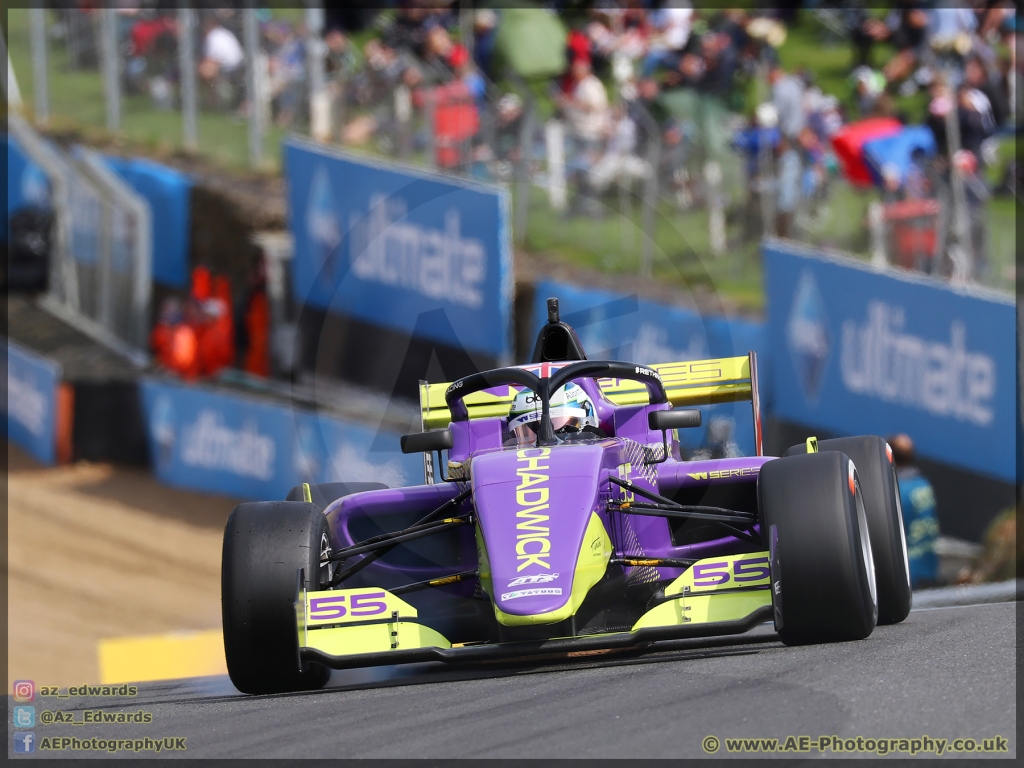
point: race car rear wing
(691, 383)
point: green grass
(1002, 243)
(807, 47)
(77, 105)
(682, 256)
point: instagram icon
(24, 690)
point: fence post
(315, 66)
(40, 89)
(876, 226)
(63, 283)
(11, 90)
(766, 182)
(466, 26)
(121, 316)
(251, 34)
(554, 140)
(961, 252)
(716, 215)
(111, 68)
(105, 266)
(523, 171)
(187, 66)
(650, 189)
(401, 104)
(466, 37)
(429, 107)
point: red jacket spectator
(257, 326)
(578, 49)
(216, 340)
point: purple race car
(565, 521)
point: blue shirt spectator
(919, 519)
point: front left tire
(265, 545)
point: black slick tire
(819, 548)
(265, 545)
(873, 459)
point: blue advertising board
(31, 408)
(387, 244)
(863, 351)
(615, 326)
(169, 194)
(238, 446)
(26, 182)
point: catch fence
(669, 197)
(100, 262)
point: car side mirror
(427, 442)
(681, 419)
(666, 420)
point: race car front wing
(349, 628)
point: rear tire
(872, 457)
(822, 569)
(265, 544)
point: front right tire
(873, 459)
(822, 569)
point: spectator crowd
(644, 92)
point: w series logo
(718, 474)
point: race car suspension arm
(388, 546)
(663, 507)
(666, 562)
(711, 514)
(438, 582)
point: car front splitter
(489, 652)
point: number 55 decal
(750, 570)
(368, 604)
(710, 574)
(346, 605)
(327, 608)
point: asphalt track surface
(947, 672)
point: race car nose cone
(534, 508)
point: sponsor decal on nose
(533, 543)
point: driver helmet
(571, 410)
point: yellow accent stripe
(697, 382)
(307, 496)
(161, 657)
(374, 638)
